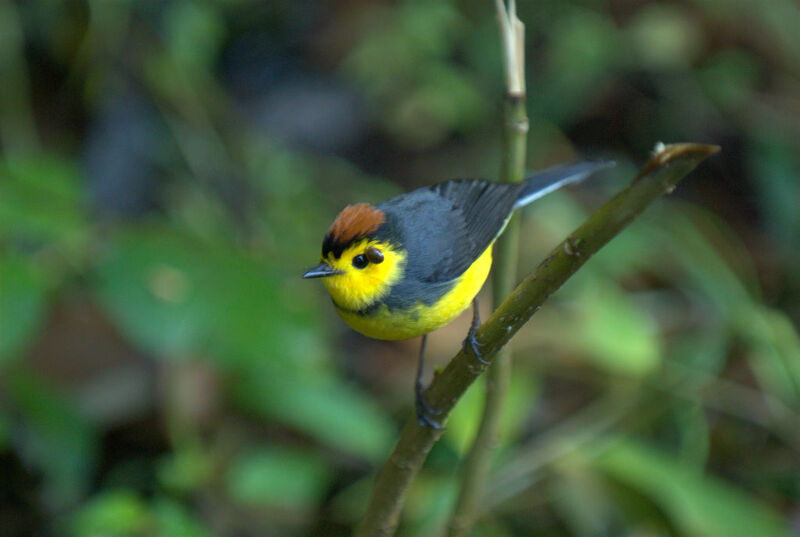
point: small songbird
(413, 263)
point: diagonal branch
(659, 176)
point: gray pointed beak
(322, 270)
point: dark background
(168, 170)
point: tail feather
(551, 179)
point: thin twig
(17, 124)
(498, 378)
(659, 176)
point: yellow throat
(355, 289)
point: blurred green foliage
(168, 170)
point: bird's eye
(360, 261)
(374, 255)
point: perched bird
(413, 263)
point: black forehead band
(331, 246)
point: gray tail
(551, 179)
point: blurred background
(168, 170)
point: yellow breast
(421, 319)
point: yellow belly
(421, 319)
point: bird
(411, 264)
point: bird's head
(360, 262)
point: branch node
(571, 246)
(520, 126)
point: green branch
(659, 176)
(498, 378)
(17, 123)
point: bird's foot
(425, 412)
(474, 346)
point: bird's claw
(472, 341)
(425, 411)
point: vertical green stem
(478, 463)
(17, 125)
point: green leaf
(464, 420)
(112, 514)
(42, 202)
(278, 477)
(731, 78)
(433, 25)
(413, 35)
(606, 327)
(704, 271)
(444, 100)
(174, 520)
(616, 333)
(155, 284)
(5, 432)
(774, 353)
(432, 99)
(261, 312)
(698, 504)
(177, 296)
(122, 513)
(774, 165)
(23, 304)
(319, 405)
(780, 22)
(523, 396)
(584, 502)
(585, 46)
(665, 37)
(772, 340)
(54, 438)
(194, 34)
(347, 506)
(185, 470)
(430, 503)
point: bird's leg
(470, 339)
(425, 411)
